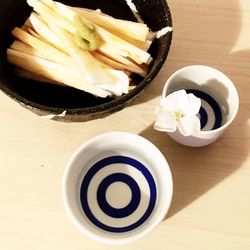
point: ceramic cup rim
(204, 67)
(72, 163)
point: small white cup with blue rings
(219, 103)
(117, 187)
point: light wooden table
(211, 203)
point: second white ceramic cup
(216, 85)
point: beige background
(211, 203)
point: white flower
(179, 110)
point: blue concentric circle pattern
(138, 208)
(129, 208)
(210, 113)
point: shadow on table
(191, 45)
(197, 170)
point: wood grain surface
(211, 204)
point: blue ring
(130, 207)
(211, 101)
(203, 117)
(113, 160)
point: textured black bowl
(46, 99)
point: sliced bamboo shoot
(48, 51)
(44, 31)
(121, 86)
(134, 30)
(49, 14)
(53, 71)
(111, 42)
(119, 66)
(122, 47)
(50, 3)
(87, 64)
(34, 34)
(23, 47)
(28, 23)
(65, 11)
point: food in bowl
(81, 48)
(63, 103)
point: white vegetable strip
(23, 47)
(44, 31)
(94, 73)
(49, 14)
(116, 65)
(48, 51)
(121, 85)
(139, 44)
(130, 29)
(50, 3)
(65, 11)
(34, 34)
(53, 71)
(111, 42)
(122, 47)
(88, 65)
(28, 23)
(118, 58)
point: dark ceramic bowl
(46, 99)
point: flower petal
(176, 101)
(194, 104)
(165, 121)
(189, 125)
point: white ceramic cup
(117, 187)
(213, 83)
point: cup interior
(210, 84)
(117, 188)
